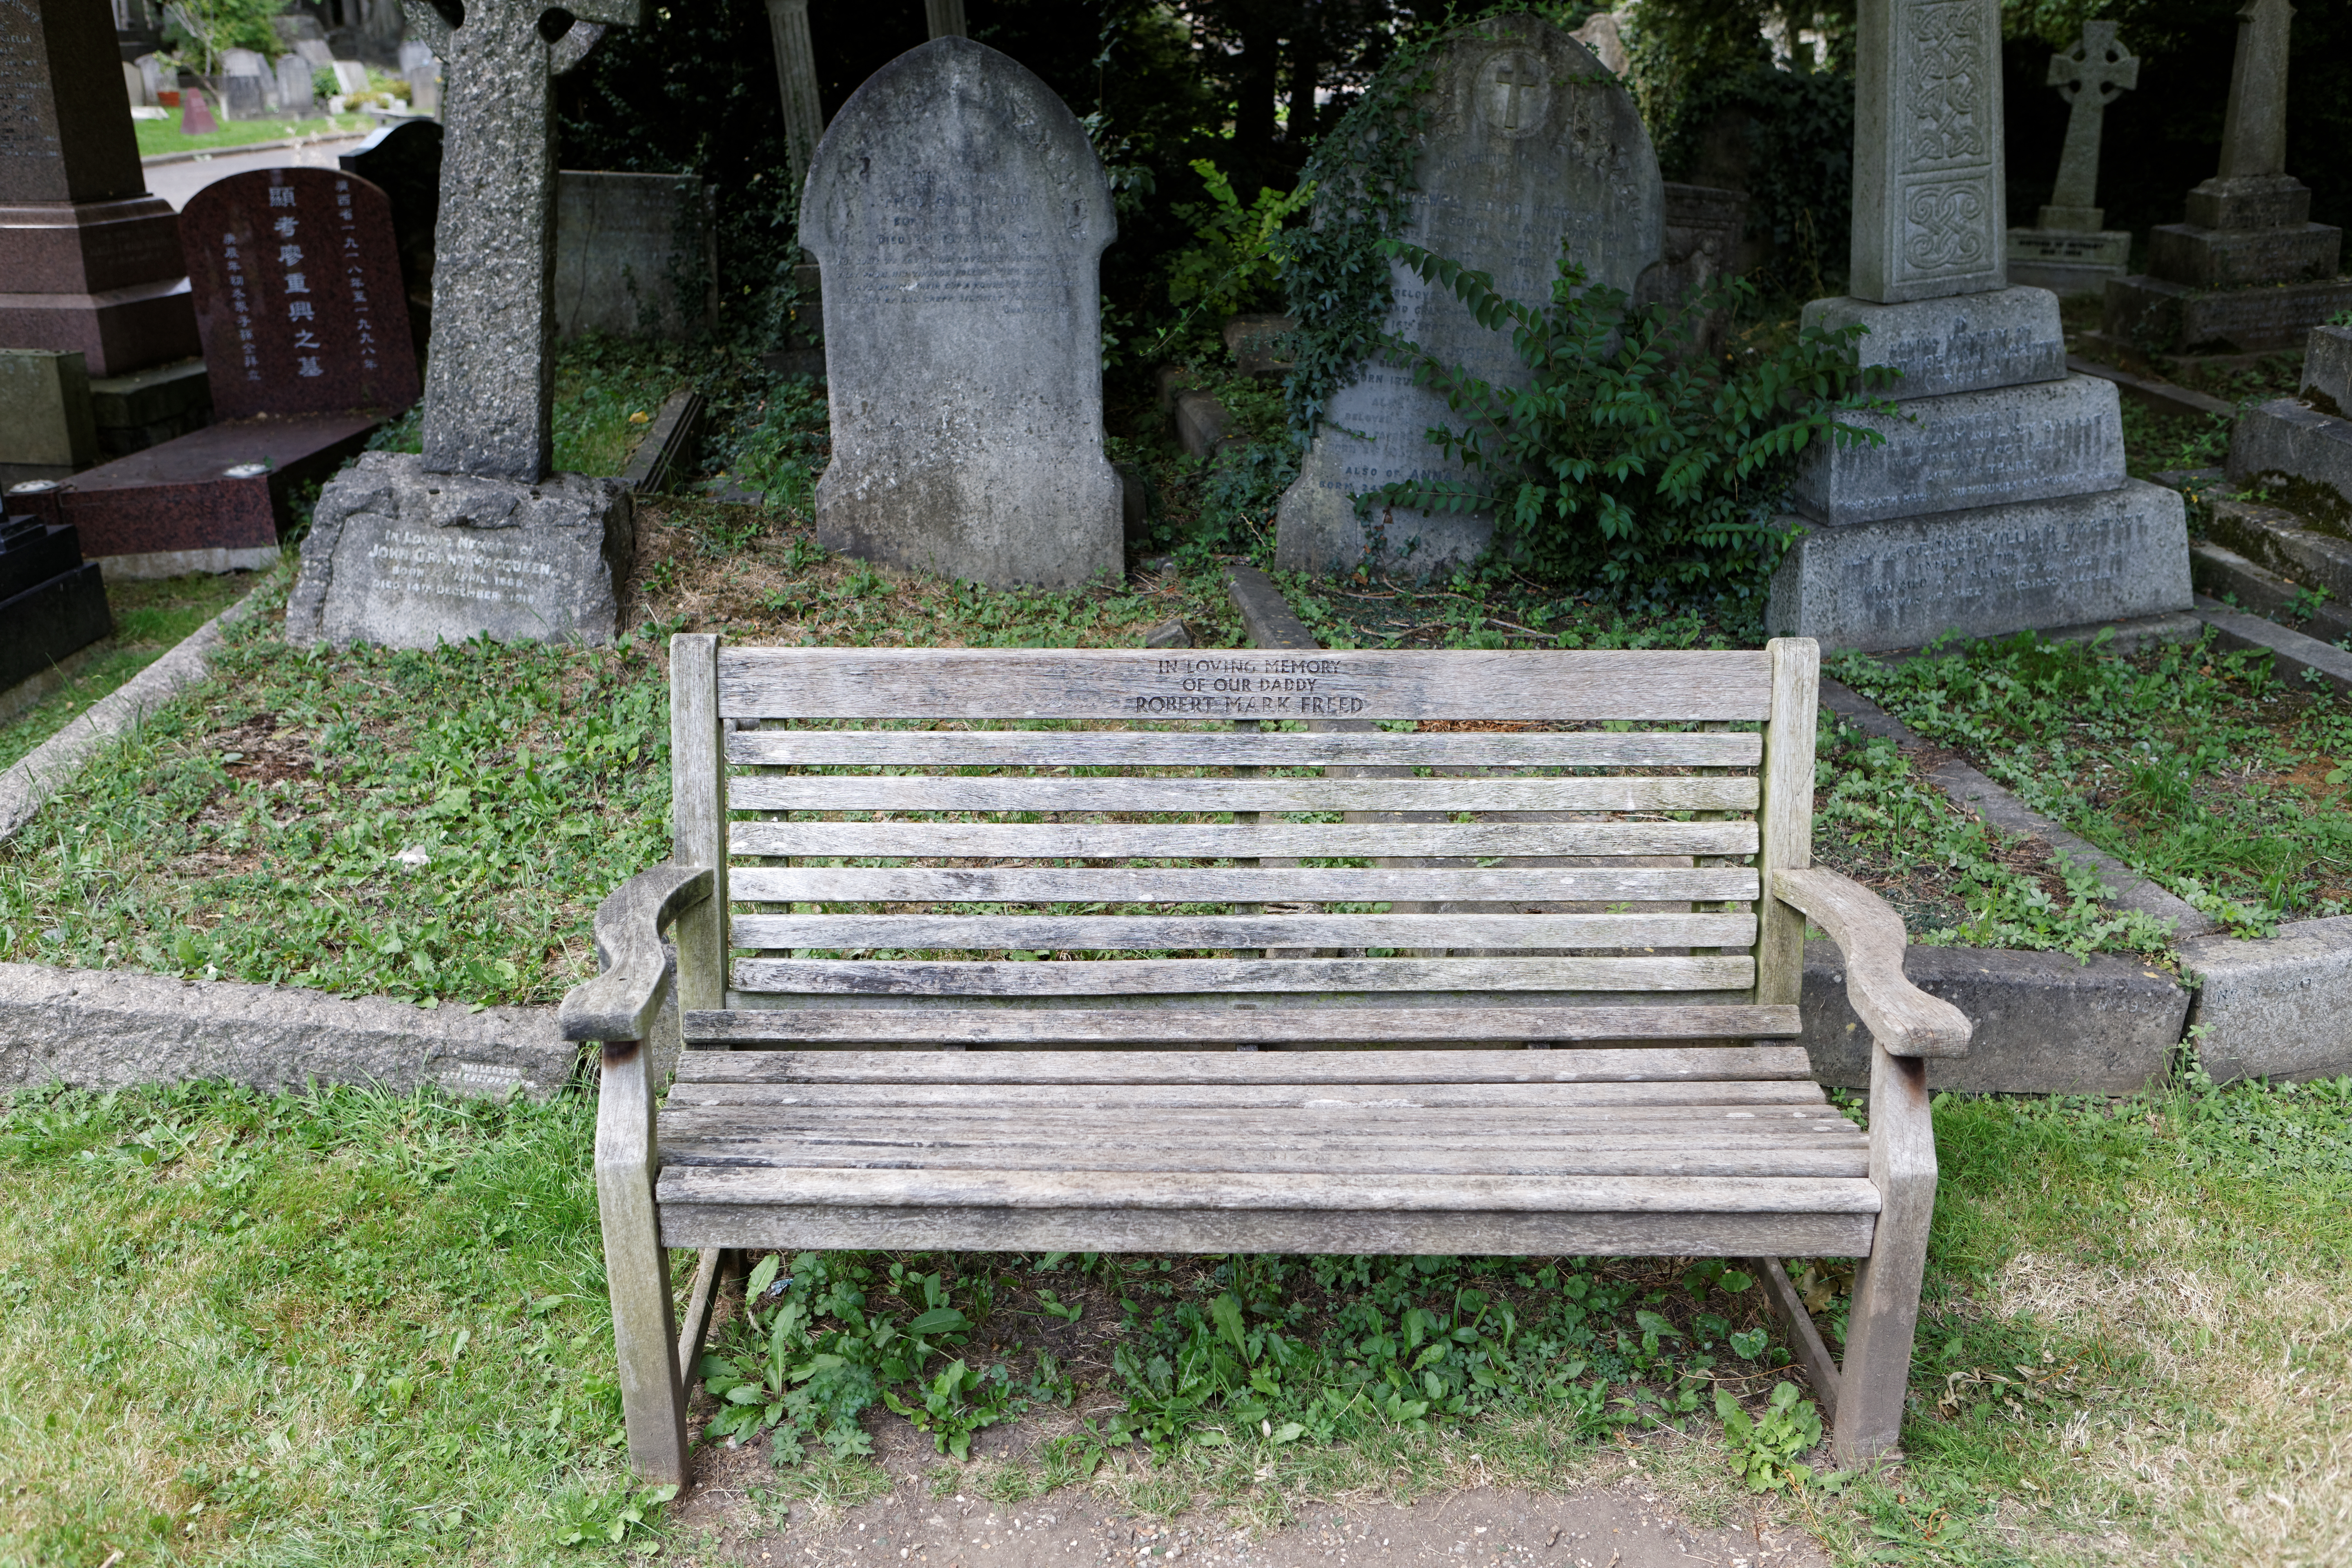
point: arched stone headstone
(1533, 144)
(959, 216)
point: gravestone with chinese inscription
(959, 216)
(2067, 251)
(2248, 272)
(305, 333)
(476, 536)
(298, 294)
(1994, 499)
(1531, 146)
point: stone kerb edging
(2047, 1023)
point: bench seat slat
(1237, 884)
(1560, 1104)
(896, 791)
(1585, 685)
(916, 1125)
(1228, 748)
(1214, 841)
(1670, 1068)
(1535, 1161)
(1245, 1190)
(1116, 933)
(1199, 975)
(1268, 1026)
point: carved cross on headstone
(2253, 133)
(489, 385)
(2090, 76)
(1513, 77)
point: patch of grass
(163, 136)
(150, 617)
(2195, 766)
(607, 391)
(253, 829)
(333, 1328)
(359, 1329)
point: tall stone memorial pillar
(1997, 499)
(475, 535)
(89, 262)
(2248, 271)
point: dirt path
(734, 1515)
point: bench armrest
(621, 1003)
(1903, 1018)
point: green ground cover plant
(341, 1327)
(2196, 767)
(150, 617)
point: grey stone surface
(1930, 194)
(1969, 342)
(2072, 561)
(401, 556)
(2045, 1023)
(2156, 314)
(298, 94)
(2090, 76)
(2243, 258)
(2223, 575)
(2304, 660)
(2275, 1008)
(959, 214)
(2328, 370)
(2287, 439)
(489, 380)
(2274, 538)
(1969, 449)
(109, 1030)
(2254, 201)
(47, 422)
(797, 86)
(1531, 144)
(2068, 262)
(2253, 126)
(633, 256)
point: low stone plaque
(297, 294)
(2072, 562)
(1969, 449)
(409, 559)
(1532, 146)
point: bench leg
(637, 1269)
(1876, 1376)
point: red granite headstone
(297, 293)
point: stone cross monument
(476, 536)
(2066, 250)
(2247, 271)
(1996, 498)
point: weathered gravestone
(2247, 271)
(305, 333)
(959, 216)
(476, 536)
(1997, 500)
(1531, 146)
(298, 94)
(89, 262)
(248, 86)
(2303, 445)
(635, 255)
(2067, 251)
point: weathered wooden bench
(1473, 987)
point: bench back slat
(1121, 683)
(1153, 932)
(869, 792)
(1220, 841)
(1228, 748)
(1286, 976)
(1229, 884)
(1181, 1027)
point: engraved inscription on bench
(1224, 686)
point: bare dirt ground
(933, 1516)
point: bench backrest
(1457, 847)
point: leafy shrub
(1232, 264)
(1764, 1447)
(1628, 461)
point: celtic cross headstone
(2090, 76)
(1928, 205)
